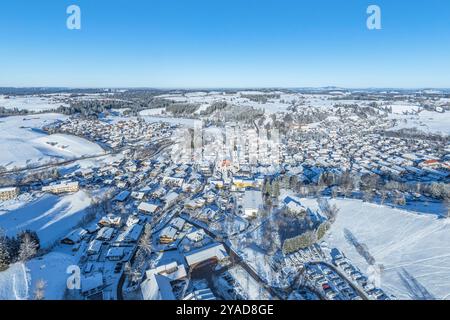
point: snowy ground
(24, 143)
(402, 108)
(31, 103)
(414, 249)
(19, 281)
(52, 217)
(427, 121)
(250, 286)
(152, 112)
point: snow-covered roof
(252, 200)
(122, 196)
(9, 189)
(131, 234)
(212, 251)
(91, 282)
(156, 287)
(115, 252)
(147, 207)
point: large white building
(62, 187)
(252, 203)
(8, 193)
(212, 252)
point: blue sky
(225, 43)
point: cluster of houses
(130, 132)
(355, 146)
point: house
(131, 234)
(168, 235)
(293, 205)
(148, 208)
(105, 234)
(157, 283)
(211, 253)
(171, 198)
(173, 181)
(74, 237)
(132, 220)
(115, 254)
(8, 193)
(196, 236)
(195, 203)
(122, 196)
(138, 195)
(432, 163)
(94, 247)
(178, 223)
(62, 187)
(110, 220)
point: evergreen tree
(5, 259)
(275, 189)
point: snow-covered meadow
(24, 143)
(31, 103)
(412, 248)
(52, 217)
(427, 121)
(19, 281)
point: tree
(322, 230)
(28, 248)
(267, 188)
(383, 196)
(5, 259)
(145, 242)
(33, 236)
(447, 208)
(39, 293)
(334, 192)
(367, 195)
(330, 211)
(275, 189)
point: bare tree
(447, 208)
(367, 196)
(28, 248)
(383, 196)
(330, 211)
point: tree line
(20, 248)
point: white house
(148, 208)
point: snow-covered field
(402, 109)
(19, 281)
(427, 121)
(24, 143)
(413, 249)
(152, 112)
(250, 286)
(52, 217)
(31, 103)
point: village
(186, 213)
